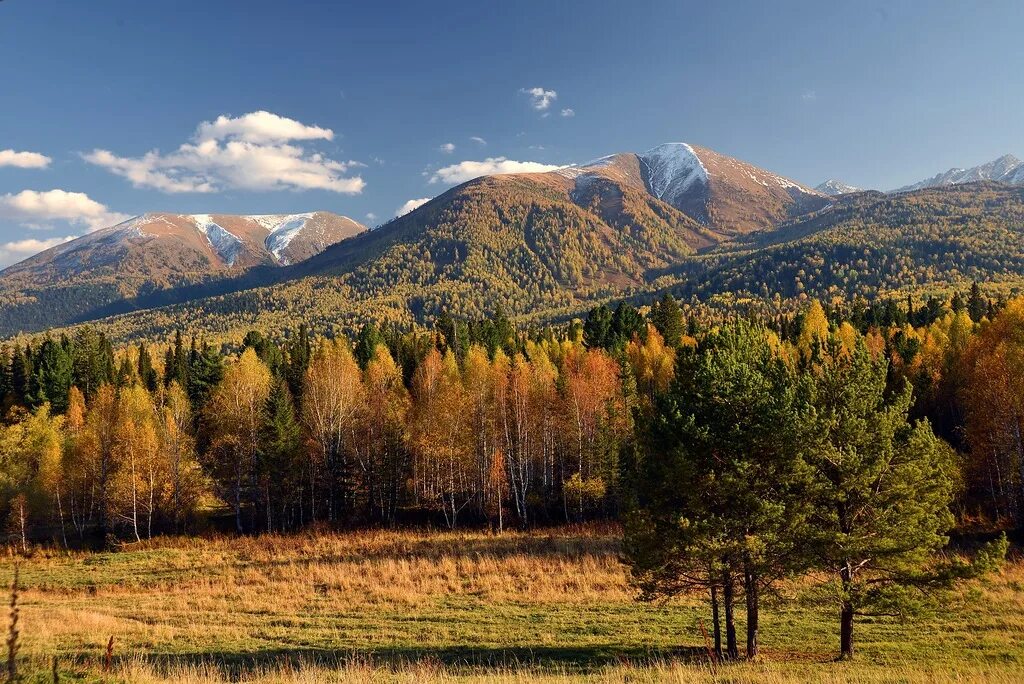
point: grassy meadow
(381, 606)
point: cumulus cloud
(250, 152)
(568, 112)
(410, 205)
(370, 216)
(447, 148)
(260, 127)
(33, 208)
(13, 252)
(24, 160)
(540, 99)
(478, 140)
(468, 170)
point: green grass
(414, 606)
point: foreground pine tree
(883, 488)
(720, 496)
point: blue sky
(361, 99)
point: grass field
(464, 606)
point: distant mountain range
(155, 253)
(540, 245)
(1006, 169)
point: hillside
(155, 258)
(873, 244)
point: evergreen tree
(299, 352)
(53, 372)
(977, 305)
(668, 318)
(719, 490)
(147, 374)
(597, 329)
(366, 343)
(626, 323)
(279, 456)
(22, 375)
(883, 487)
(206, 368)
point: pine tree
(668, 318)
(883, 487)
(719, 490)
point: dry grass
(467, 606)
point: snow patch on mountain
(577, 170)
(282, 234)
(673, 168)
(834, 188)
(1006, 169)
(226, 244)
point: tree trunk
(846, 631)
(732, 650)
(753, 611)
(846, 613)
(716, 626)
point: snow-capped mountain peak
(673, 168)
(1005, 169)
(834, 188)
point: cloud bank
(468, 170)
(256, 151)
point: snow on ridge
(672, 169)
(282, 235)
(1007, 169)
(226, 244)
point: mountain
(545, 246)
(153, 255)
(834, 188)
(1006, 169)
(730, 195)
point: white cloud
(24, 160)
(568, 112)
(250, 152)
(260, 127)
(371, 217)
(478, 140)
(33, 209)
(13, 252)
(410, 205)
(540, 99)
(447, 148)
(468, 170)
(809, 96)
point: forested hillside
(872, 245)
(520, 244)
